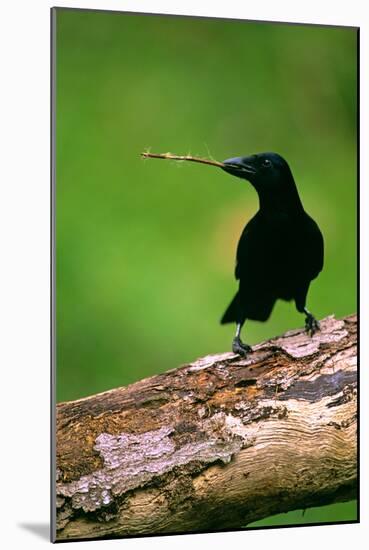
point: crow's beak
(237, 167)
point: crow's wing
(265, 244)
(313, 251)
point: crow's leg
(311, 324)
(237, 345)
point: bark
(215, 444)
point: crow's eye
(266, 163)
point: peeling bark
(215, 444)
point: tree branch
(215, 444)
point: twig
(182, 157)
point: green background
(145, 249)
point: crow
(281, 248)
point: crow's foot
(311, 324)
(239, 347)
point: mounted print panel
(204, 274)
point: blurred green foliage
(145, 249)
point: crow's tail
(231, 314)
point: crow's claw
(311, 325)
(239, 347)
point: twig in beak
(169, 156)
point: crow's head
(264, 170)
